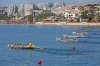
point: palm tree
(91, 14)
(30, 18)
(84, 14)
(98, 16)
(42, 16)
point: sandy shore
(60, 24)
(84, 24)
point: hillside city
(59, 11)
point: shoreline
(86, 24)
(50, 25)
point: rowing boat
(74, 35)
(20, 46)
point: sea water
(54, 53)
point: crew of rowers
(66, 38)
(19, 46)
(83, 30)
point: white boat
(75, 35)
(66, 39)
(79, 32)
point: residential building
(71, 13)
(57, 10)
(27, 7)
(21, 10)
(37, 12)
(58, 4)
(3, 10)
(12, 10)
(98, 4)
(45, 6)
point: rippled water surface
(54, 53)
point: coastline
(59, 24)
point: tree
(91, 10)
(3, 16)
(30, 18)
(98, 16)
(42, 16)
(84, 14)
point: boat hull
(79, 32)
(75, 36)
(19, 46)
(66, 40)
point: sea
(53, 53)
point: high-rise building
(35, 7)
(58, 4)
(3, 10)
(45, 6)
(12, 10)
(28, 7)
(57, 7)
(21, 10)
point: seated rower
(29, 44)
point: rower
(89, 29)
(74, 38)
(29, 44)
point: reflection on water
(30, 52)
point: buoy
(41, 49)
(84, 40)
(88, 36)
(95, 33)
(73, 47)
(39, 62)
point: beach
(56, 23)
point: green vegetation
(41, 16)
(44, 16)
(30, 18)
(4, 16)
(90, 13)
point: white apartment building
(28, 7)
(37, 12)
(21, 10)
(70, 13)
(12, 10)
(45, 6)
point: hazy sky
(68, 2)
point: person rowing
(29, 44)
